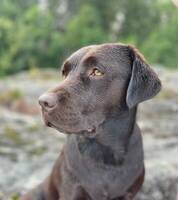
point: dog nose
(48, 100)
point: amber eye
(96, 72)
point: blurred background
(36, 36)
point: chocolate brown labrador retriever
(96, 106)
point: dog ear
(144, 82)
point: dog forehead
(114, 52)
(109, 54)
(79, 54)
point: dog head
(100, 82)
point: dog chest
(103, 181)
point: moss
(10, 155)
(38, 151)
(15, 94)
(34, 72)
(33, 128)
(37, 73)
(11, 134)
(44, 74)
(167, 94)
(10, 96)
(15, 196)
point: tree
(30, 40)
(161, 46)
(140, 19)
(82, 30)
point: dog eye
(96, 72)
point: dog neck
(112, 138)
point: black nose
(48, 100)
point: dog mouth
(49, 124)
(90, 132)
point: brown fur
(103, 156)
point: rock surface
(28, 149)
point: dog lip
(50, 125)
(91, 130)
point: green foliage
(30, 41)
(33, 37)
(162, 44)
(82, 30)
(106, 11)
(141, 18)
